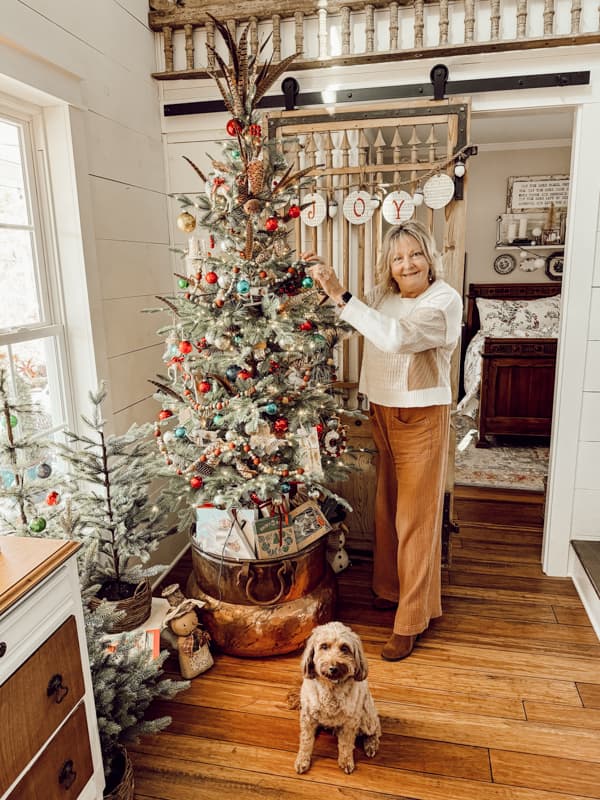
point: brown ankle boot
(398, 647)
(383, 604)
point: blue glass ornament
(232, 372)
(218, 419)
(271, 409)
(285, 487)
(243, 286)
(307, 282)
(180, 432)
(238, 339)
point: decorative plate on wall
(554, 265)
(505, 263)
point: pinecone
(249, 239)
(256, 175)
(242, 188)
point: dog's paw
(302, 765)
(346, 764)
(371, 746)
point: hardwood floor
(500, 700)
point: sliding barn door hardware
(437, 89)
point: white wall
(98, 58)
(488, 176)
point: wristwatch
(346, 297)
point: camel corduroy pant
(412, 445)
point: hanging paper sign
(314, 209)
(438, 190)
(398, 207)
(358, 207)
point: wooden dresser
(49, 746)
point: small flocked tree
(126, 681)
(28, 500)
(117, 517)
(250, 346)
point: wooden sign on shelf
(530, 193)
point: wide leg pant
(412, 446)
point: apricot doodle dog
(335, 695)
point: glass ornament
(243, 286)
(180, 432)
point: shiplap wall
(109, 49)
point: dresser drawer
(36, 699)
(63, 769)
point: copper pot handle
(282, 572)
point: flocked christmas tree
(250, 346)
(28, 495)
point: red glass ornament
(165, 413)
(211, 277)
(244, 374)
(52, 498)
(233, 127)
(262, 274)
(280, 425)
(273, 366)
(219, 303)
(306, 325)
(196, 482)
(218, 181)
(204, 386)
(211, 241)
(294, 212)
(201, 343)
(320, 428)
(255, 130)
(271, 224)
(185, 347)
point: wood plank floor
(500, 699)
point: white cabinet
(49, 745)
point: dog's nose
(333, 671)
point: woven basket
(125, 788)
(137, 608)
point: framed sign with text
(531, 193)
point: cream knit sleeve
(428, 326)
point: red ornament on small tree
(211, 277)
(255, 130)
(294, 212)
(280, 425)
(185, 347)
(306, 325)
(271, 224)
(165, 413)
(204, 387)
(196, 482)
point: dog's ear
(308, 659)
(361, 669)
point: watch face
(505, 263)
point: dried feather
(232, 96)
(168, 303)
(283, 184)
(249, 239)
(242, 78)
(229, 42)
(220, 165)
(167, 390)
(196, 169)
(273, 73)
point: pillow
(519, 317)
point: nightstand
(49, 745)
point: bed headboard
(502, 291)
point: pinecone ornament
(256, 175)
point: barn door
(361, 156)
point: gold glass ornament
(186, 222)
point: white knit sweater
(408, 345)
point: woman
(411, 325)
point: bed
(509, 358)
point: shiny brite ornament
(37, 525)
(307, 283)
(43, 470)
(271, 409)
(204, 387)
(243, 286)
(305, 326)
(232, 372)
(165, 413)
(281, 425)
(196, 482)
(182, 283)
(185, 347)
(233, 127)
(211, 277)
(294, 212)
(271, 224)
(52, 498)
(180, 432)
(186, 222)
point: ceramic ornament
(358, 207)
(398, 207)
(314, 209)
(438, 190)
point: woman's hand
(324, 274)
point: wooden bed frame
(517, 378)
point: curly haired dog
(335, 694)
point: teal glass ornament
(7, 477)
(231, 372)
(235, 154)
(218, 419)
(238, 339)
(183, 284)
(37, 525)
(271, 409)
(180, 432)
(285, 487)
(243, 286)
(307, 283)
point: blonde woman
(411, 324)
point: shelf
(530, 247)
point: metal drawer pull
(3, 649)
(67, 775)
(56, 687)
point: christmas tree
(126, 681)
(27, 501)
(250, 347)
(118, 520)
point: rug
(518, 465)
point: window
(32, 342)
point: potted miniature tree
(126, 680)
(118, 520)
